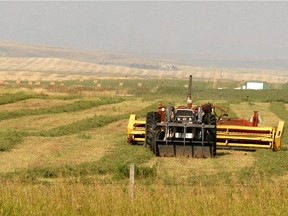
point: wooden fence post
(132, 180)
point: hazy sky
(220, 29)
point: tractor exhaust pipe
(189, 97)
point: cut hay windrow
(12, 98)
(76, 106)
(82, 125)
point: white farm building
(256, 85)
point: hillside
(32, 62)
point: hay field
(66, 154)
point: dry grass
(78, 199)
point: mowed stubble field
(64, 152)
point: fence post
(132, 180)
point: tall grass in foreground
(79, 199)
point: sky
(243, 30)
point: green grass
(271, 163)
(268, 165)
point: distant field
(54, 69)
(64, 152)
(35, 62)
(28, 63)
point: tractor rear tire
(152, 119)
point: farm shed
(257, 85)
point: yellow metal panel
(138, 132)
(131, 123)
(277, 143)
(139, 139)
(136, 129)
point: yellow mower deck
(228, 136)
(232, 136)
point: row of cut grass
(19, 96)
(82, 125)
(94, 122)
(7, 98)
(75, 106)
